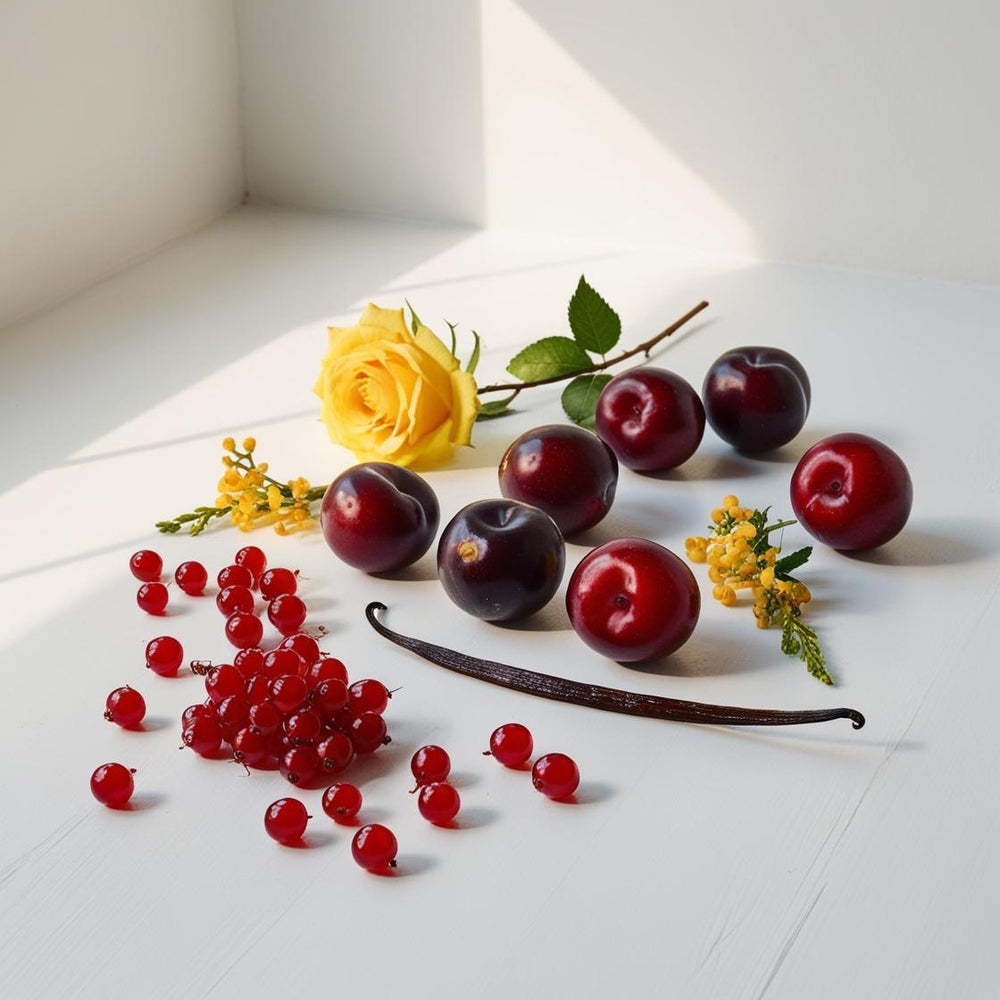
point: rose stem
(604, 698)
(646, 346)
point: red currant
(280, 662)
(234, 576)
(430, 763)
(288, 692)
(287, 613)
(223, 681)
(555, 775)
(299, 765)
(368, 696)
(234, 598)
(112, 784)
(368, 732)
(330, 697)
(203, 735)
(193, 712)
(438, 802)
(233, 714)
(303, 726)
(125, 707)
(511, 744)
(164, 655)
(244, 630)
(374, 847)
(342, 802)
(334, 753)
(191, 577)
(276, 582)
(305, 645)
(264, 718)
(285, 820)
(146, 565)
(258, 689)
(250, 748)
(253, 559)
(249, 662)
(152, 598)
(325, 669)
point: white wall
(855, 134)
(119, 130)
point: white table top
(699, 862)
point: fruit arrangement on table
(293, 707)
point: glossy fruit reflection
(633, 600)
(500, 559)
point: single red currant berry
(289, 692)
(374, 847)
(234, 576)
(326, 669)
(244, 630)
(249, 662)
(285, 820)
(112, 784)
(342, 802)
(340, 722)
(299, 765)
(303, 726)
(125, 707)
(146, 565)
(555, 775)
(193, 712)
(287, 613)
(438, 802)
(164, 655)
(252, 559)
(511, 744)
(280, 662)
(334, 753)
(258, 689)
(368, 696)
(250, 748)
(276, 582)
(235, 598)
(233, 714)
(264, 718)
(305, 645)
(330, 697)
(223, 681)
(203, 735)
(368, 732)
(430, 763)
(191, 577)
(152, 598)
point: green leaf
(415, 322)
(579, 398)
(794, 560)
(595, 325)
(549, 357)
(454, 344)
(474, 357)
(496, 408)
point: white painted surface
(700, 862)
(841, 134)
(120, 131)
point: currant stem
(646, 346)
(603, 698)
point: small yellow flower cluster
(737, 561)
(253, 498)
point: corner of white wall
(121, 131)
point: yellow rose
(390, 395)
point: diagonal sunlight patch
(563, 154)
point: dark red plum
(379, 517)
